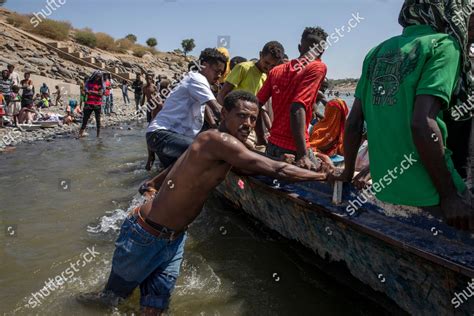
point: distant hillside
(348, 84)
(28, 55)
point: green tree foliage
(188, 45)
(152, 42)
(131, 37)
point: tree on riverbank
(152, 42)
(188, 45)
(132, 38)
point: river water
(60, 200)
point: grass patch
(86, 37)
(56, 30)
(105, 41)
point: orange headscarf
(328, 134)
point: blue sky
(249, 24)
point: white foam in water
(113, 219)
(198, 279)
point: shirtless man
(152, 99)
(154, 105)
(149, 249)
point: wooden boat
(48, 124)
(419, 262)
(29, 127)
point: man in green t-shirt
(406, 83)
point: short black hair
(231, 99)
(314, 35)
(212, 56)
(275, 49)
(193, 65)
(237, 60)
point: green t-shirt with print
(418, 62)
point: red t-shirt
(93, 99)
(107, 88)
(292, 82)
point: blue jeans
(167, 145)
(126, 99)
(141, 259)
(108, 102)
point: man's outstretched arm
(235, 153)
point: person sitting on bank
(405, 84)
(44, 89)
(293, 87)
(172, 131)
(150, 248)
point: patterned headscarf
(450, 17)
(97, 73)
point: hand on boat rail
(147, 187)
(457, 212)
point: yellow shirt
(246, 76)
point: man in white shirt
(174, 128)
(14, 76)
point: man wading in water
(149, 249)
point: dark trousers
(459, 136)
(167, 145)
(87, 115)
(126, 99)
(138, 100)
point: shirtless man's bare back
(182, 189)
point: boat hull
(419, 285)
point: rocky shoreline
(13, 136)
